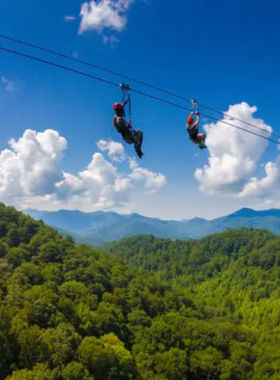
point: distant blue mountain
(249, 213)
(74, 221)
(100, 227)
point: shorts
(193, 134)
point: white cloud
(265, 186)
(31, 175)
(115, 150)
(152, 181)
(100, 184)
(9, 84)
(104, 14)
(32, 165)
(70, 185)
(111, 41)
(69, 18)
(234, 155)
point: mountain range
(98, 228)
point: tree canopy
(204, 309)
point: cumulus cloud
(32, 165)
(115, 150)
(100, 184)
(110, 14)
(9, 84)
(234, 155)
(31, 175)
(265, 186)
(152, 181)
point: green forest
(145, 308)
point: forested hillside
(233, 277)
(197, 260)
(75, 313)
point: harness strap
(125, 88)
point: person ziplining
(193, 128)
(125, 128)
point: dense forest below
(194, 261)
(176, 310)
(233, 277)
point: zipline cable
(136, 91)
(208, 116)
(131, 79)
(58, 65)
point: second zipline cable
(136, 91)
(9, 38)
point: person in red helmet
(130, 136)
(192, 128)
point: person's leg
(140, 138)
(138, 151)
(201, 138)
(138, 135)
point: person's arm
(124, 103)
(197, 120)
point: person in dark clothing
(129, 135)
(192, 128)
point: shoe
(139, 153)
(202, 146)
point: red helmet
(117, 106)
(190, 120)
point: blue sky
(217, 52)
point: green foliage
(231, 298)
(75, 371)
(198, 260)
(210, 311)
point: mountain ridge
(101, 227)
